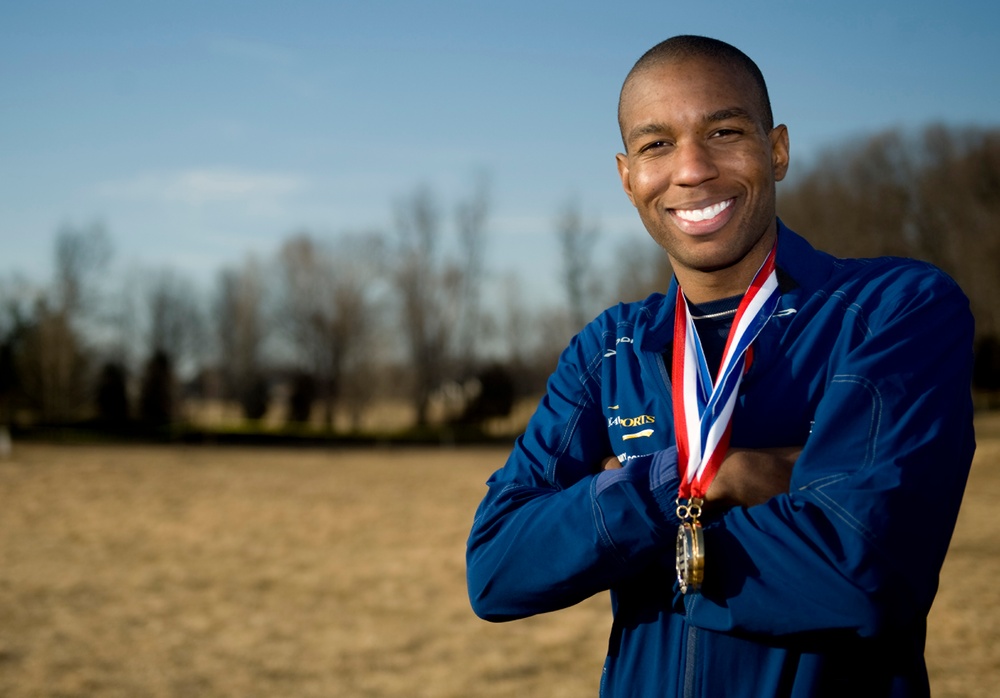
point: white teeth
(702, 214)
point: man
(765, 464)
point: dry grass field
(128, 572)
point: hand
(752, 476)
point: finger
(611, 463)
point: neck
(701, 286)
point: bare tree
(515, 321)
(359, 291)
(534, 338)
(175, 337)
(304, 312)
(240, 331)
(957, 223)
(325, 303)
(933, 195)
(857, 201)
(175, 322)
(120, 332)
(471, 216)
(429, 289)
(639, 270)
(15, 323)
(81, 258)
(577, 237)
(54, 364)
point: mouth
(702, 221)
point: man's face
(700, 168)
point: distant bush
(156, 400)
(301, 400)
(112, 395)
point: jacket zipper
(690, 664)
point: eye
(655, 145)
(726, 132)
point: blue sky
(198, 132)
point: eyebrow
(646, 130)
(714, 117)
(731, 113)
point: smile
(703, 214)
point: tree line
(330, 325)
(325, 326)
(932, 195)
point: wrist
(663, 483)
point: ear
(622, 160)
(779, 151)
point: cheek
(755, 169)
(646, 184)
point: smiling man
(700, 165)
(765, 463)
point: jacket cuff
(644, 490)
(664, 482)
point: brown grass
(129, 571)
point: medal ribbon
(703, 408)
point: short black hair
(690, 46)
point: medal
(690, 548)
(703, 409)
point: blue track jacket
(823, 591)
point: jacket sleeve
(859, 541)
(553, 529)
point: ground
(171, 571)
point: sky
(198, 133)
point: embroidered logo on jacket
(620, 340)
(638, 435)
(632, 423)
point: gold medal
(704, 402)
(690, 547)
(690, 556)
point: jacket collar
(801, 270)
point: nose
(694, 164)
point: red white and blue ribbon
(703, 408)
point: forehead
(687, 89)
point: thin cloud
(252, 51)
(205, 186)
(277, 63)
